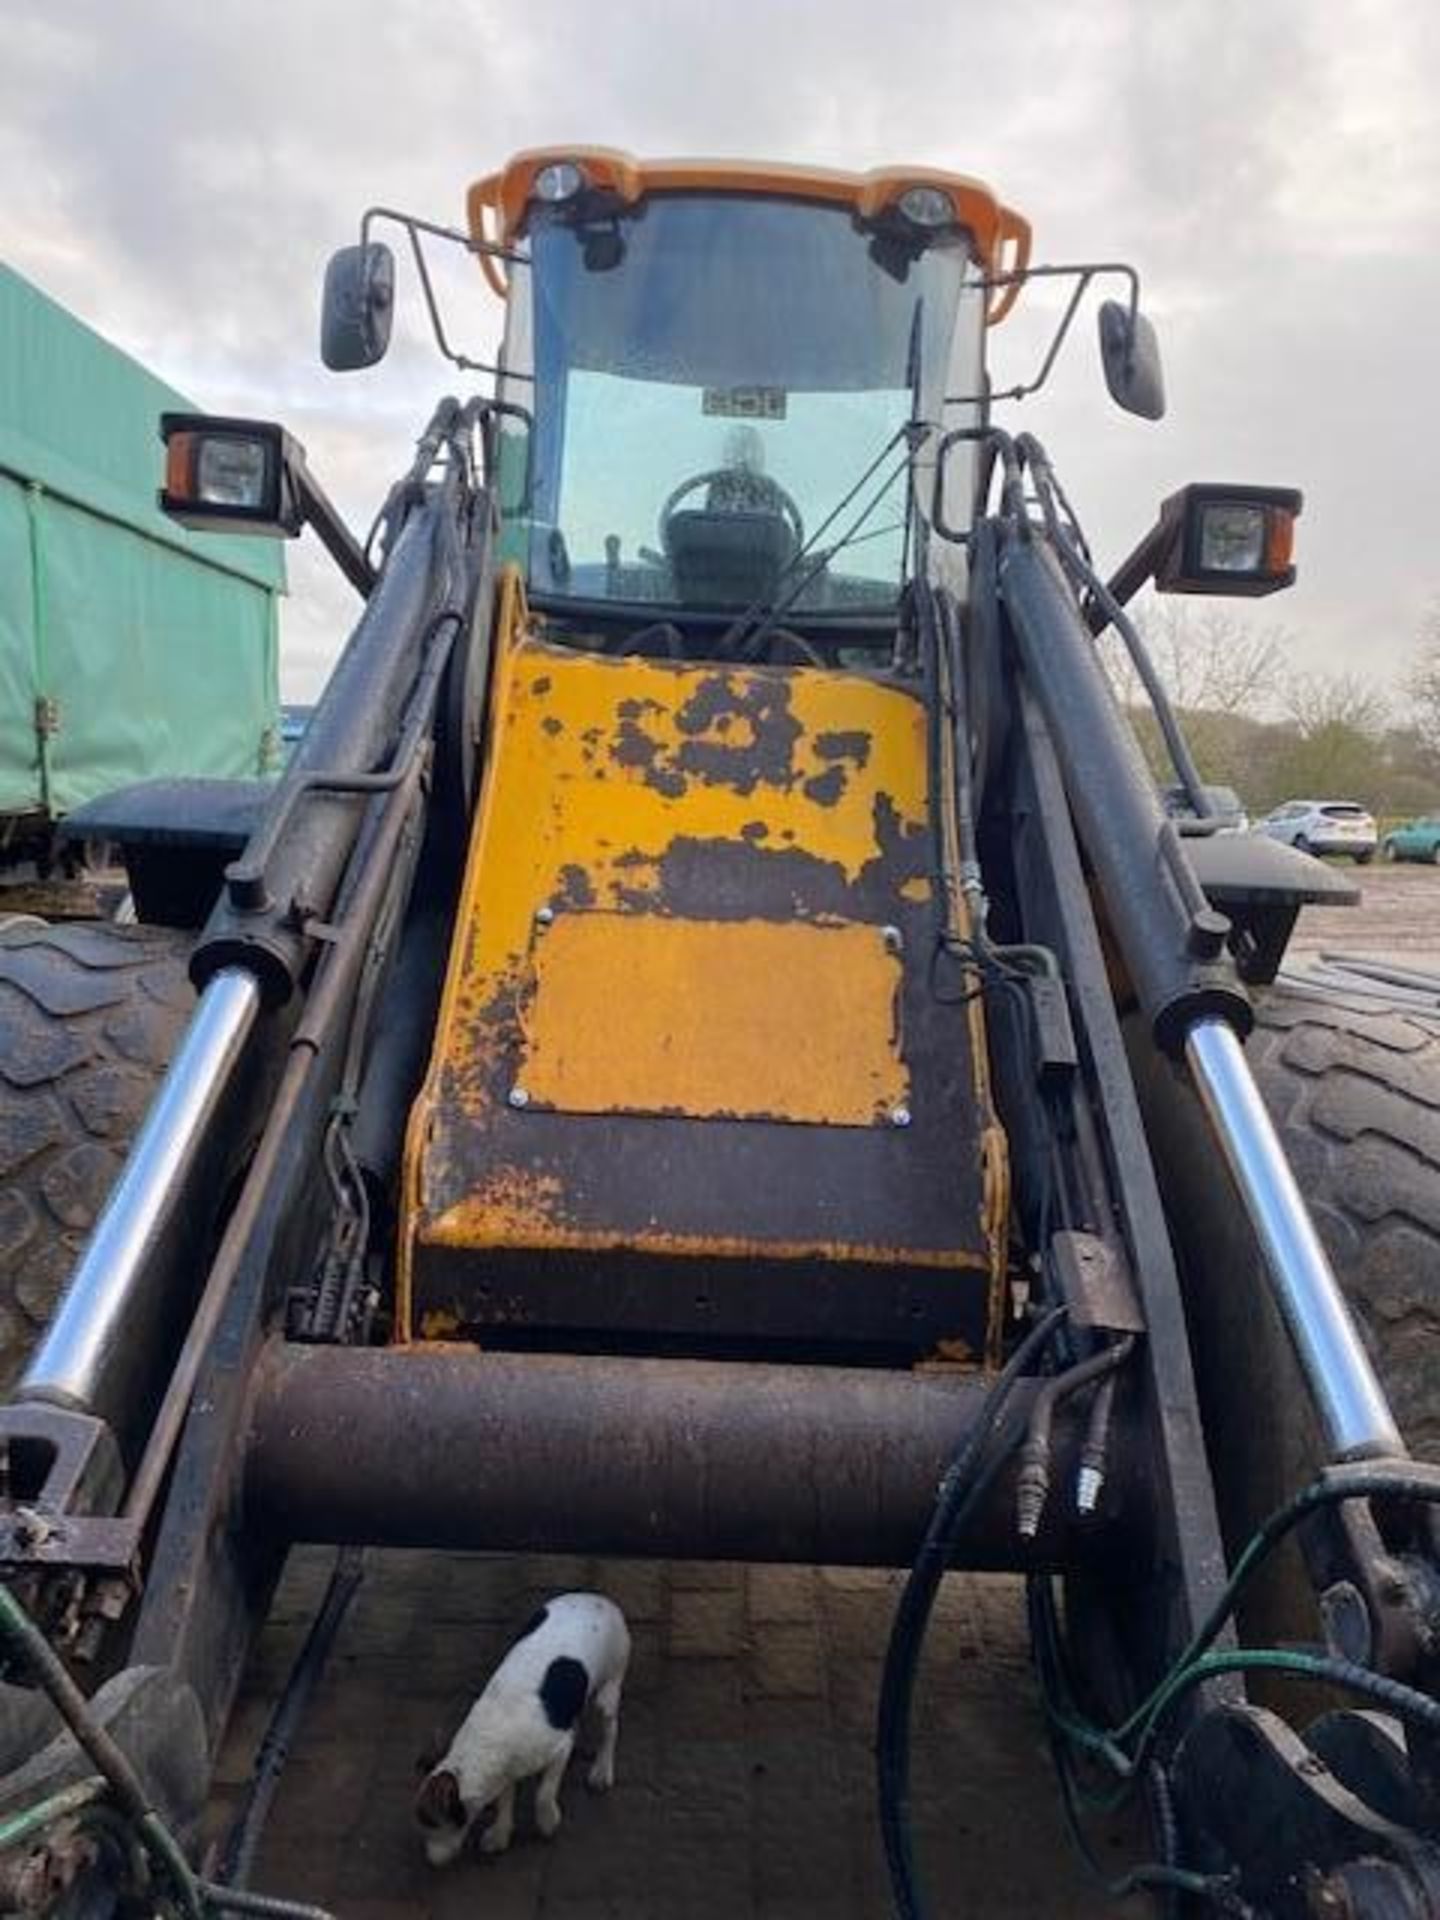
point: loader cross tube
(445, 1446)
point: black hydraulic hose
(1079, 568)
(1032, 1487)
(963, 1482)
(238, 1856)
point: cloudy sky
(177, 174)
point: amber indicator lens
(1279, 541)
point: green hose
(117, 1780)
(17, 1828)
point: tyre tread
(89, 1017)
(1357, 1093)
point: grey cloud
(1272, 170)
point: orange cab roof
(496, 206)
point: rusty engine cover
(690, 1078)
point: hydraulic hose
(964, 1480)
(131, 1809)
(1032, 1486)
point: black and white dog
(571, 1655)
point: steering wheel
(770, 491)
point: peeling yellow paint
(659, 916)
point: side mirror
(1130, 354)
(358, 307)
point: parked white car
(1324, 826)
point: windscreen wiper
(746, 633)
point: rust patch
(825, 789)
(844, 746)
(576, 888)
(736, 880)
(762, 707)
(551, 725)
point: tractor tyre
(90, 1014)
(1355, 1095)
(1364, 859)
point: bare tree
(1210, 659)
(1321, 703)
(1422, 683)
(1337, 749)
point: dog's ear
(438, 1802)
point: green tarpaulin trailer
(129, 647)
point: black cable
(1069, 552)
(734, 634)
(238, 1855)
(960, 1487)
(749, 648)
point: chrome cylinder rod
(1354, 1412)
(87, 1336)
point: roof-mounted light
(927, 207)
(557, 181)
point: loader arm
(675, 1007)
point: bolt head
(900, 1116)
(519, 1097)
(544, 916)
(893, 938)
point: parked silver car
(1324, 826)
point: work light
(232, 472)
(560, 180)
(1227, 539)
(927, 206)
(1232, 538)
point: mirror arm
(414, 227)
(1084, 273)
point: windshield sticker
(745, 403)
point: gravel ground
(1398, 915)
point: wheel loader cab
(734, 375)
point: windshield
(713, 376)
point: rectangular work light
(249, 476)
(235, 475)
(1227, 539)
